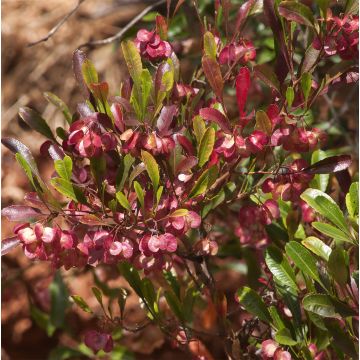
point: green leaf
(352, 199)
(267, 75)
(179, 212)
(338, 266)
(302, 259)
(280, 267)
(325, 206)
(320, 181)
(132, 277)
(305, 82)
(172, 281)
(81, 303)
(89, 72)
(319, 304)
(139, 193)
(122, 176)
(284, 337)
(42, 320)
(199, 127)
(210, 45)
(290, 95)
(123, 201)
(97, 293)
(263, 122)
(59, 300)
(297, 12)
(146, 86)
(317, 246)
(36, 122)
(201, 185)
(133, 61)
(331, 231)
(254, 304)
(64, 353)
(206, 146)
(158, 194)
(64, 167)
(66, 188)
(174, 304)
(56, 101)
(152, 168)
(277, 320)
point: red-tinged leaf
(243, 13)
(329, 165)
(297, 12)
(9, 244)
(16, 146)
(265, 73)
(242, 84)
(100, 90)
(56, 152)
(344, 179)
(186, 144)
(263, 122)
(161, 27)
(165, 119)
(78, 59)
(211, 114)
(33, 199)
(21, 213)
(213, 75)
(116, 110)
(36, 122)
(310, 58)
(186, 164)
(84, 109)
(92, 220)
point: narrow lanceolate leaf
(325, 206)
(64, 167)
(213, 75)
(9, 244)
(204, 182)
(139, 193)
(320, 181)
(179, 212)
(242, 85)
(352, 199)
(265, 73)
(280, 267)
(78, 59)
(305, 83)
(36, 122)
(216, 116)
(21, 213)
(206, 146)
(338, 266)
(152, 168)
(297, 12)
(89, 72)
(209, 45)
(303, 259)
(263, 122)
(186, 164)
(123, 201)
(56, 101)
(254, 304)
(133, 60)
(319, 304)
(290, 96)
(66, 188)
(81, 303)
(199, 127)
(317, 246)
(331, 231)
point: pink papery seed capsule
(27, 236)
(269, 347)
(127, 249)
(49, 235)
(282, 355)
(97, 341)
(115, 248)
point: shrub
(169, 176)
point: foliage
(145, 179)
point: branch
(57, 26)
(120, 34)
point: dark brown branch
(57, 26)
(127, 27)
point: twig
(57, 26)
(119, 35)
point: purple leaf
(16, 146)
(79, 58)
(164, 121)
(329, 165)
(84, 109)
(56, 152)
(217, 117)
(243, 13)
(242, 84)
(21, 213)
(266, 74)
(9, 244)
(297, 12)
(186, 164)
(213, 75)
